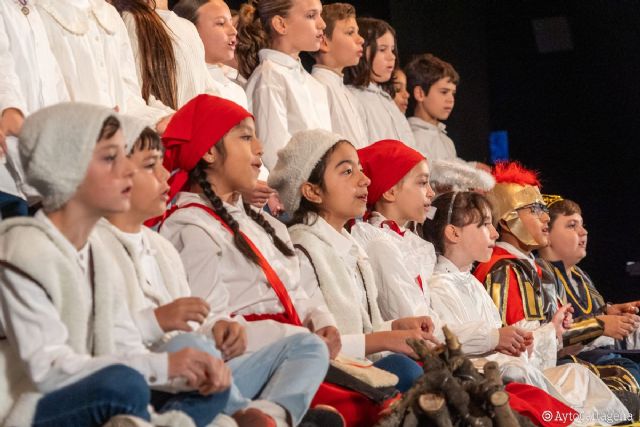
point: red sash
(290, 315)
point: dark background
(570, 114)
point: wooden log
(435, 408)
(504, 416)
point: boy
(83, 358)
(341, 47)
(433, 82)
(166, 314)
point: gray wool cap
(132, 127)
(296, 162)
(56, 146)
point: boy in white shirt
(341, 47)
(61, 318)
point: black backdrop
(571, 114)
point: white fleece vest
(336, 283)
(31, 247)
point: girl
(463, 233)
(402, 96)
(168, 52)
(214, 23)
(319, 178)
(83, 358)
(283, 97)
(239, 261)
(372, 83)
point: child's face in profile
(150, 191)
(568, 238)
(400, 85)
(305, 26)
(384, 60)
(345, 45)
(217, 31)
(478, 240)
(536, 222)
(106, 188)
(438, 103)
(414, 194)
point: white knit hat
(56, 146)
(132, 127)
(296, 162)
(458, 175)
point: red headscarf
(193, 130)
(385, 163)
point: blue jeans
(92, 401)
(287, 372)
(11, 205)
(405, 368)
(201, 409)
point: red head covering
(386, 162)
(515, 173)
(193, 130)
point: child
(320, 181)
(92, 47)
(433, 82)
(237, 259)
(31, 80)
(341, 47)
(168, 52)
(463, 233)
(162, 306)
(400, 88)
(402, 262)
(283, 97)
(83, 358)
(214, 23)
(372, 84)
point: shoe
(322, 416)
(127, 421)
(253, 417)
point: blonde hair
(255, 30)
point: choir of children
(151, 287)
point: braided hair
(198, 175)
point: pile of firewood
(453, 393)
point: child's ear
(211, 155)
(311, 192)
(391, 194)
(451, 233)
(279, 25)
(324, 45)
(418, 93)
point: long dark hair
(199, 176)
(359, 75)
(157, 60)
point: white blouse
(227, 88)
(382, 117)
(192, 76)
(284, 99)
(93, 51)
(232, 285)
(345, 111)
(432, 141)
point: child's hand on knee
(331, 337)
(176, 315)
(230, 338)
(202, 371)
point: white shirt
(284, 99)
(227, 88)
(432, 140)
(30, 320)
(30, 78)
(382, 117)
(397, 261)
(345, 111)
(94, 53)
(232, 285)
(192, 76)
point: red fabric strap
(393, 226)
(270, 274)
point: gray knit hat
(296, 162)
(56, 146)
(132, 127)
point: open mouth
(127, 190)
(362, 197)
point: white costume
(227, 88)
(232, 285)
(345, 111)
(94, 53)
(458, 297)
(382, 117)
(284, 99)
(192, 76)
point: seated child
(166, 313)
(341, 47)
(75, 355)
(237, 259)
(321, 183)
(371, 83)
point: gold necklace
(570, 293)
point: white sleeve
(308, 299)
(33, 325)
(545, 348)
(10, 93)
(269, 106)
(148, 326)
